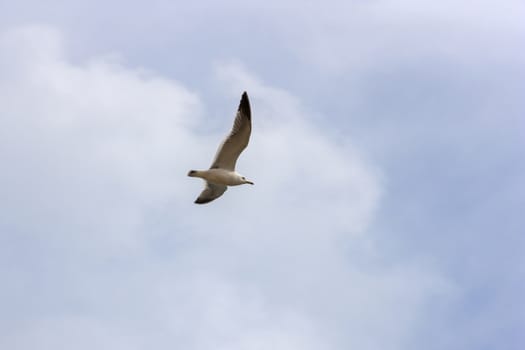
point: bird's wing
(210, 192)
(237, 140)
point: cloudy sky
(387, 152)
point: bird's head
(246, 181)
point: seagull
(222, 171)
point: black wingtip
(244, 105)
(202, 201)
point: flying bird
(222, 171)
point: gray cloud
(102, 246)
(429, 91)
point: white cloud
(99, 136)
(96, 158)
(359, 36)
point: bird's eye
(243, 178)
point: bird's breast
(223, 177)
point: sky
(387, 151)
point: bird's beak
(249, 182)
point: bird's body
(222, 171)
(220, 176)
